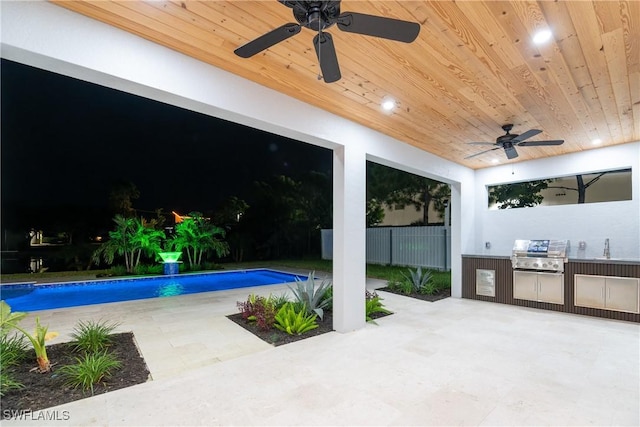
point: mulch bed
(277, 337)
(47, 390)
(445, 293)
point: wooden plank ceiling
(472, 69)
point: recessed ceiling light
(495, 161)
(388, 104)
(542, 36)
(596, 141)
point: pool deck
(452, 362)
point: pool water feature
(32, 297)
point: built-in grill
(540, 255)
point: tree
(398, 189)
(197, 236)
(517, 195)
(286, 215)
(131, 238)
(121, 198)
(375, 212)
(581, 186)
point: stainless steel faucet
(607, 252)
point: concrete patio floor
(452, 362)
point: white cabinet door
(525, 285)
(622, 294)
(551, 288)
(589, 291)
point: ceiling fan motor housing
(506, 138)
(316, 15)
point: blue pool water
(29, 297)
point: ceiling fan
(509, 141)
(320, 15)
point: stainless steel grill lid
(543, 255)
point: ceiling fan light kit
(320, 15)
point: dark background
(66, 142)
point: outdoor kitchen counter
(607, 261)
(503, 274)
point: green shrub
(441, 280)
(401, 286)
(295, 321)
(261, 310)
(143, 269)
(8, 383)
(92, 337)
(279, 301)
(373, 304)
(13, 349)
(89, 370)
(208, 265)
(118, 270)
(315, 300)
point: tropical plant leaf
(294, 321)
(315, 299)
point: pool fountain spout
(171, 262)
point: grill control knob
(544, 265)
(535, 264)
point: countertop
(632, 261)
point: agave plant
(418, 279)
(314, 299)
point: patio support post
(349, 234)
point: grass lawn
(384, 272)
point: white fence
(410, 246)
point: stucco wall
(591, 223)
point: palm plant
(197, 236)
(131, 238)
(146, 239)
(10, 320)
(119, 243)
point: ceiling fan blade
(528, 134)
(327, 57)
(481, 143)
(510, 151)
(267, 40)
(539, 143)
(379, 26)
(482, 152)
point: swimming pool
(30, 297)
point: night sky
(65, 142)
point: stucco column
(349, 234)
